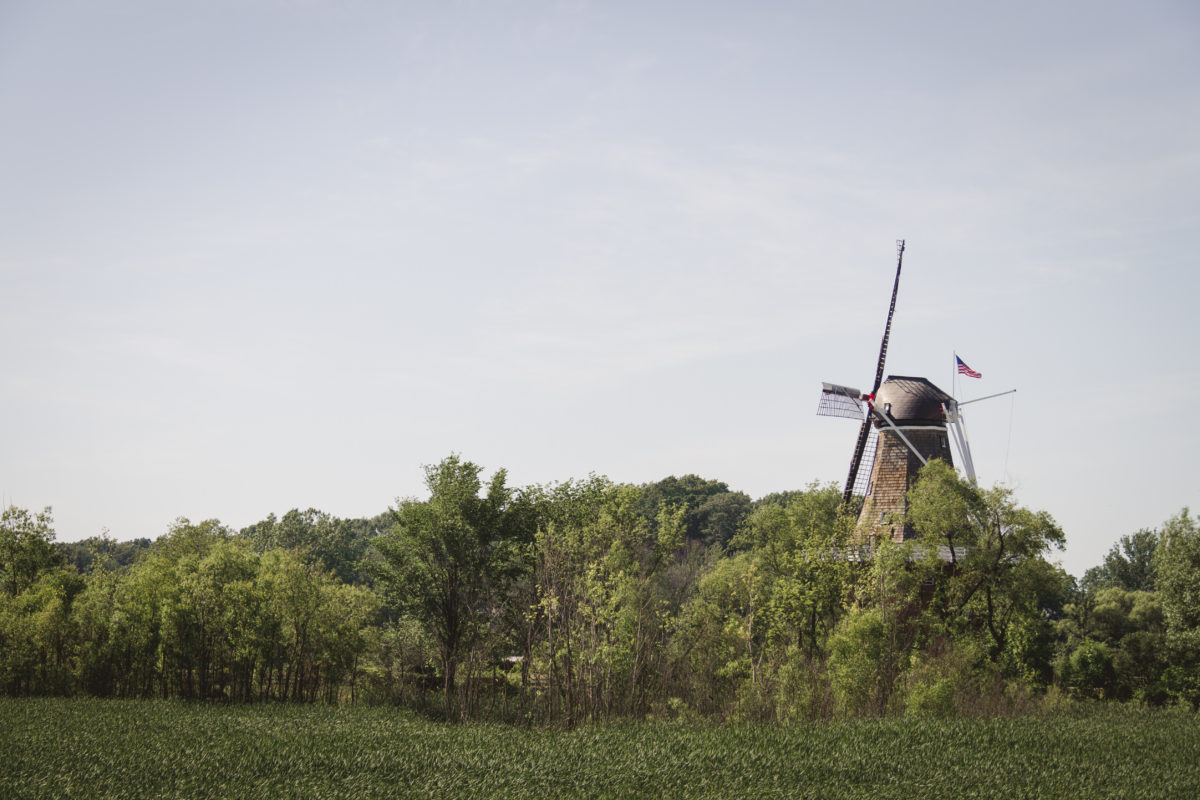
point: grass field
(131, 749)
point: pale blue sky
(268, 254)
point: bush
(1091, 669)
(859, 655)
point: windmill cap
(912, 399)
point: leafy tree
(36, 635)
(777, 498)
(26, 548)
(605, 599)
(719, 517)
(712, 513)
(315, 630)
(1177, 571)
(1091, 668)
(719, 634)
(36, 593)
(134, 622)
(756, 630)
(1131, 623)
(337, 545)
(800, 548)
(446, 559)
(1129, 564)
(203, 615)
(1118, 612)
(102, 552)
(859, 663)
(982, 554)
(185, 538)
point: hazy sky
(260, 255)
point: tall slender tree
(447, 559)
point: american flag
(963, 369)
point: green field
(91, 748)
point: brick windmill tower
(906, 421)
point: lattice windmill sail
(903, 426)
(848, 403)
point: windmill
(906, 421)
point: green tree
(1131, 625)
(102, 552)
(1129, 564)
(719, 635)
(982, 554)
(711, 513)
(606, 595)
(134, 623)
(800, 547)
(36, 593)
(1177, 570)
(36, 635)
(337, 545)
(720, 516)
(756, 630)
(1091, 669)
(26, 548)
(859, 663)
(447, 559)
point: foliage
(982, 554)
(36, 592)
(604, 597)
(335, 545)
(1129, 564)
(26, 548)
(1091, 668)
(102, 552)
(711, 512)
(1130, 626)
(1177, 566)
(586, 601)
(201, 615)
(755, 633)
(447, 560)
(859, 664)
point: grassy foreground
(90, 748)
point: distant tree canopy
(337, 545)
(711, 512)
(591, 600)
(1128, 565)
(26, 548)
(102, 552)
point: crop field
(130, 749)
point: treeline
(590, 600)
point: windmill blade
(887, 329)
(863, 481)
(887, 420)
(864, 432)
(840, 401)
